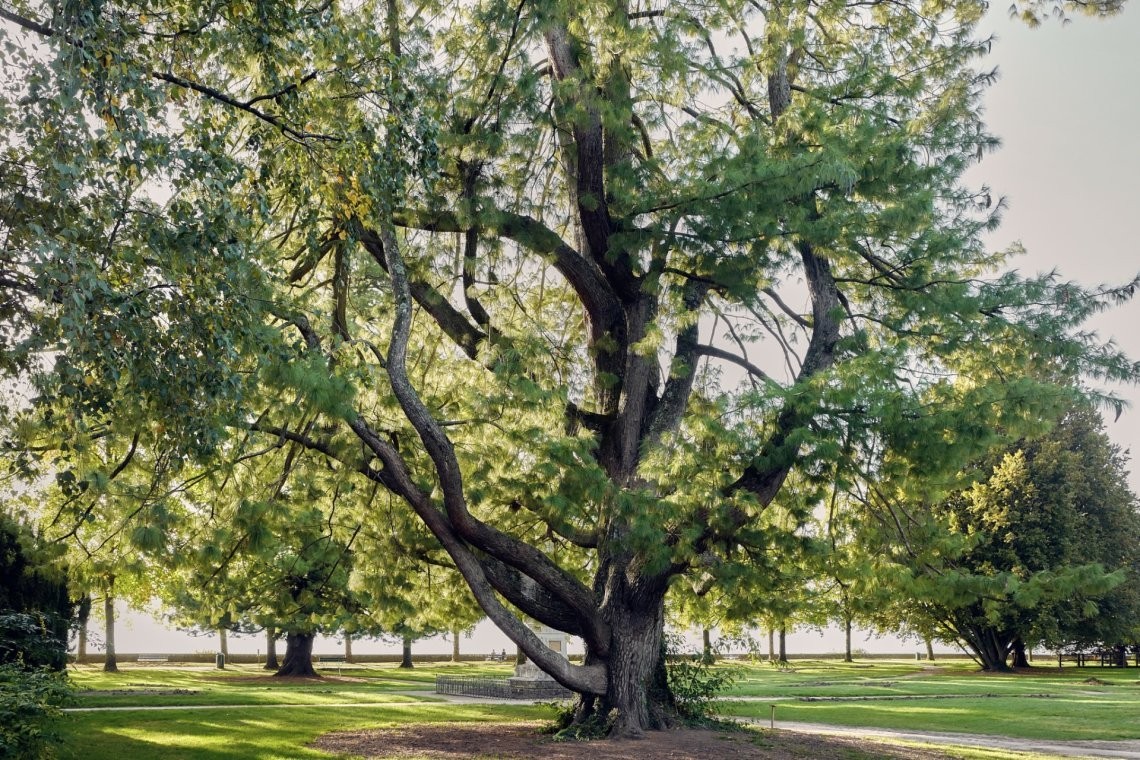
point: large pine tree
(511, 277)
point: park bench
(339, 659)
(496, 657)
(153, 658)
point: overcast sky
(1067, 108)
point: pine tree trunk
(783, 645)
(271, 662)
(347, 647)
(847, 640)
(110, 665)
(455, 645)
(707, 656)
(929, 650)
(638, 692)
(634, 654)
(406, 655)
(298, 656)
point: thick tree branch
(439, 448)
(683, 369)
(450, 320)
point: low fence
(250, 659)
(500, 688)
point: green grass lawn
(951, 696)
(277, 719)
(251, 685)
(256, 733)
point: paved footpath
(1129, 749)
(1072, 749)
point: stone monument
(528, 673)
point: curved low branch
(439, 448)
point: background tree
(488, 273)
(1045, 538)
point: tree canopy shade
(508, 278)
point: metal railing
(500, 688)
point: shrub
(30, 639)
(30, 703)
(695, 683)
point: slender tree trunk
(271, 648)
(223, 643)
(929, 650)
(298, 656)
(707, 656)
(83, 613)
(406, 656)
(347, 647)
(783, 645)
(847, 640)
(110, 665)
(772, 645)
(455, 645)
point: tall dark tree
(35, 611)
(499, 276)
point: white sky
(1067, 107)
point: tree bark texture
(223, 643)
(783, 637)
(298, 656)
(347, 647)
(706, 647)
(847, 640)
(929, 650)
(638, 691)
(455, 645)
